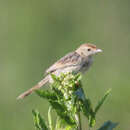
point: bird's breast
(86, 65)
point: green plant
(68, 99)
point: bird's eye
(89, 49)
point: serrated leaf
(100, 103)
(46, 94)
(88, 112)
(77, 77)
(87, 108)
(38, 121)
(109, 125)
(55, 78)
(61, 111)
(58, 92)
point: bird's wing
(71, 59)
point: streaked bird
(78, 61)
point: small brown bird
(77, 61)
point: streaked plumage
(77, 61)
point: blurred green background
(34, 34)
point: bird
(78, 61)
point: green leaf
(62, 112)
(55, 78)
(58, 93)
(77, 77)
(88, 112)
(38, 121)
(102, 101)
(87, 108)
(46, 94)
(108, 126)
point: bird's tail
(37, 86)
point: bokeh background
(34, 34)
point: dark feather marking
(73, 56)
(69, 60)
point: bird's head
(88, 49)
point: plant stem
(80, 126)
(57, 124)
(49, 118)
(78, 119)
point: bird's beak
(98, 50)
